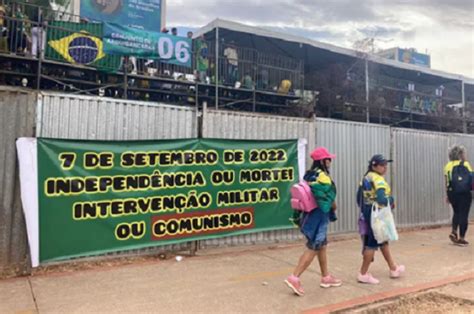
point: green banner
(127, 41)
(102, 196)
(79, 43)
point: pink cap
(321, 153)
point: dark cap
(378, 159)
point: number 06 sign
(125, 41)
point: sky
(443, 28)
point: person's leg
(464, 208)
(293, 281)
(364, 276)
(202, 77)
(305, 260)
(388, 256)
(323, 261)
(228, 78)
(327, 280)
(370, 245)
(320, 241)
(395, 270)
(368, 257)
(455, 222)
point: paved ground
(245, 279)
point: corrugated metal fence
(17, 112)
(416, 178)
(353, 143)
(239, 125)
(94, 118)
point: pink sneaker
(367, 278)
(330, 281)
(294, 283)
(397, 272)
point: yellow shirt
(448, 169)
(377, 182)
(323, 178)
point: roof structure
(258, 31)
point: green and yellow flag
(79, 43)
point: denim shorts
(368, 238)
(315, 229)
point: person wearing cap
(374, 189)
(314, 225)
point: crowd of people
(23, 32)
(373, 192)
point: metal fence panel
(97, 118)
(238, 125)
(353, 143)
(418, 175)
(17, 117)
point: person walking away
(374, 188)
(458, 176)
(314, 224)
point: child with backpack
(458, 176)
(314, 221)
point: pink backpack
(302, 198)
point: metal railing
(55, 39)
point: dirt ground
(428, 302)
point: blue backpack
(364, 185)
(461, 179)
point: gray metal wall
(239, 125)
(353, 143)
(418, 177)
(17, 117)
(94, 118)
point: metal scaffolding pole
(463, 95)
(367, 88)
(216, 67)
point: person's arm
(446, 182)
(381, 198)
(322, 194)
(468, 166)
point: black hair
(319, 164)
(369, 169)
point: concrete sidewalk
(245, 279)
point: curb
(349, 304)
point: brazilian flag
(79, 43)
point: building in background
(409, 55)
